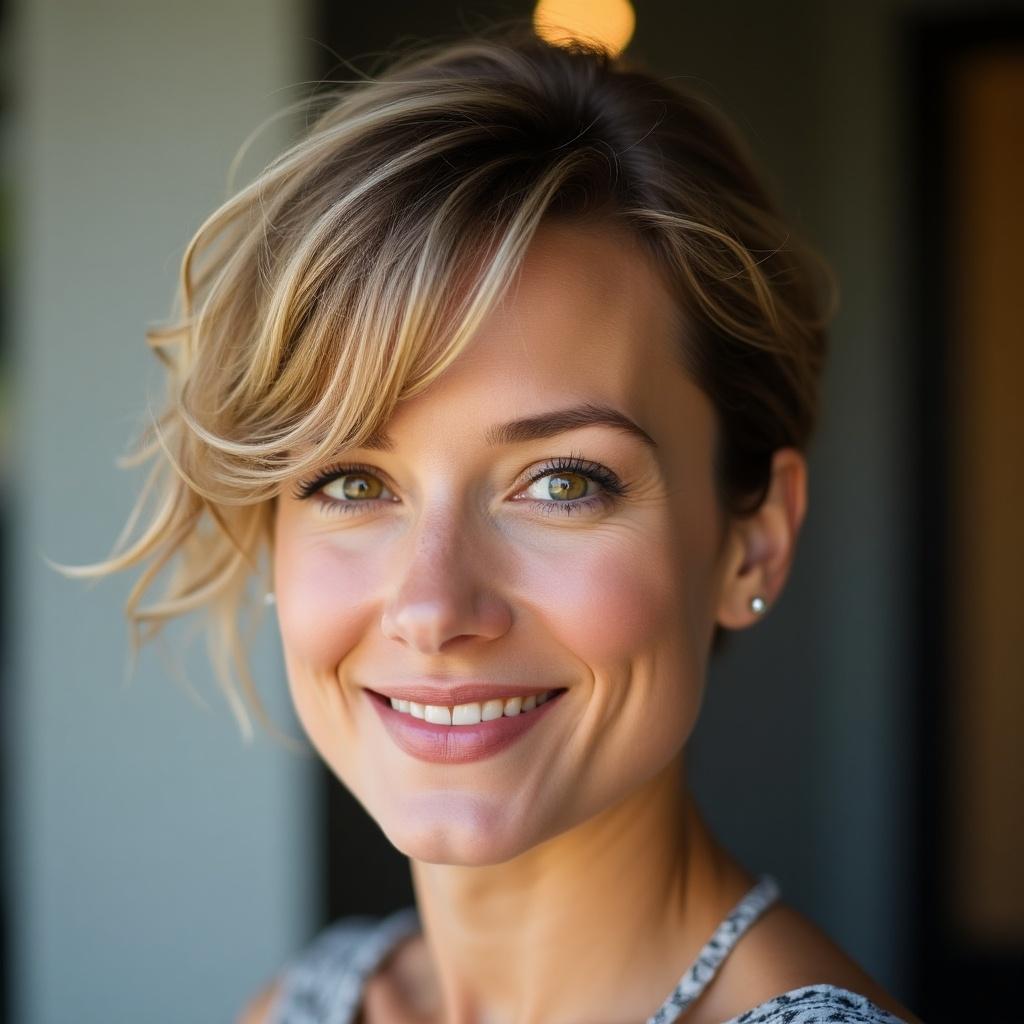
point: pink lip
(460, 693)
(456, 744)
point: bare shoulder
(782, 951)
(257, 1010)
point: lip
(458, 744)
(460, 693)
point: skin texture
(569, 878)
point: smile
(472, 713)
(465, 732)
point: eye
(342, 488)
(562, 487)
(354, 486)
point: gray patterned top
(324, 983)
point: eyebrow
(545, 424)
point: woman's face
(462, 557)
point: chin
(461, 829)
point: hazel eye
(560, 486)
(354, 487)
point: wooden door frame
(953, 981)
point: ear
(760, 550)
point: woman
(509, 365)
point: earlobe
(763, 545)
(744, 584)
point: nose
(443, 593)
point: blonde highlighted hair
(359, 263)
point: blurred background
(864, 745)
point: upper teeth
(470, 714)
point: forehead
(587, 318)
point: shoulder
(811, 1004)
(309, 975)
(787, 969)
(257, 1010)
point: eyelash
(613, 487)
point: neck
(597, 923)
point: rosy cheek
(323, 600)
(606, 604)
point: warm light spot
(610, 23)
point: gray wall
(158, 868)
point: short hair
(359, 262)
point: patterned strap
(715, 950)
(813, 1004)
(324, 983)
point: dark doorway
(965, 198)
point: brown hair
(358, 264)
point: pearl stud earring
(268, 597)
(757, 604)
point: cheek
(612, 600)
(625, 611)
(606, 610)
(321, 598)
